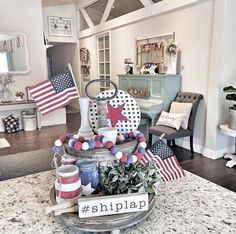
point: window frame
(105, 75)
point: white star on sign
(87, 189)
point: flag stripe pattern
(54, 93)
(164, 161)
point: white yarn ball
(143, 144)
(85, 146)
(58, 143)
(76, 136)
(118, 155)
(121, 137)
(134, 157)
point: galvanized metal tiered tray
(112, 223)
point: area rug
(21, 164)
(4, 143)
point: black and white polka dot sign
(130, 111)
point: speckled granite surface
(189, 205)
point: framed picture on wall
(60, 26)
(28, 95)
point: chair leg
(191, 146)
(169, 143)
(149, 140)
(173, 142)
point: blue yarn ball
(87, 141)
(92, 144)
(101, 137)
(72, 142)
(69, 135)
(139, 135)
(114, 150)
(141, 150)
(126, 135)
(130, 159)
(56, 149)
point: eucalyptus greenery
(122, 178)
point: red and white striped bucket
(68, 183)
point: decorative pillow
(182, 108)
(170, 120)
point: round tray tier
(104, 223)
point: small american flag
(164, 161)
(54, 93)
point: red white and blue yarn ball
(79, 143)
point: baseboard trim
(209, 153)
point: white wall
(222, 73)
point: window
(96, 10)
(3, 63)
(103, 52)
(122, 7)
(83, 23)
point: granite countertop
(189, 205)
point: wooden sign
(115, 204)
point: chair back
(190, 98)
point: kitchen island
(189, 205)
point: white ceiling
(58, 2)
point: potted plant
(123, 178)
(231, 95)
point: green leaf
(138, 185)
(115, 178)
(141, 175)
(141, 189)
(151, 172)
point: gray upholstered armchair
(170, 133)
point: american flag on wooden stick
(54, 93)
(164, 161)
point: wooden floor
(212, 170)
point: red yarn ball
(78, 145)
(139, 156)
(124, 158)
(141, 139)
(131, 135)
(98, 144)
(81, 139)
(109, 144)
(63, 138)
